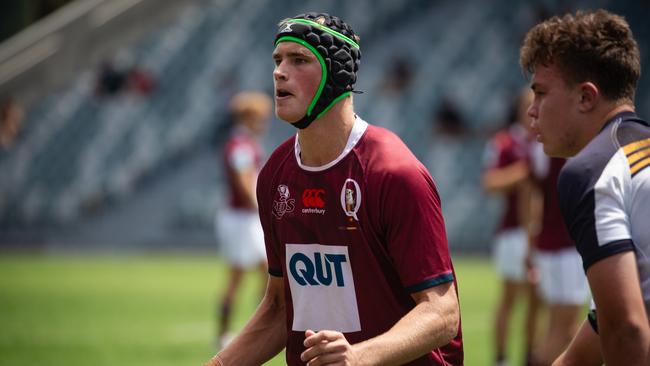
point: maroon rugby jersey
(354, 239)
(506, 148)
(545, 171)
(241, 151)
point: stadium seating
(78, 150)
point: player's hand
(328, 347)
(215, 361)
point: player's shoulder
(385, 150)
(236, 142)
(278, 157)
(506, 136)
(511, 141)
(385, 156)
(581, 172)
(376, 134)
(631, 129)
(589, 163)
(633, 135)
(380, 143)
(239, 140)
(623, 134)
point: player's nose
(532, 111)
(279, 72)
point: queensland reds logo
(351, 198)
(283, 204)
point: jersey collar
(358, 129)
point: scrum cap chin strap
(332, 41)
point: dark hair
(595, 46)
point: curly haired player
(585, 68)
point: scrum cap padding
(336, 47)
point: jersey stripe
(640, 165)
(638, 145)
(443, 278)
(639, 155)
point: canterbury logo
(287, 28)
(313, 198)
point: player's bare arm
(246, 180)
(432, 323)
(506, 178)
(530, 210)
(584, 349)
(265, 332)
(622, 320)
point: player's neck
(614, 110)
(324, 140)
(606, 113)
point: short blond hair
(250, 104)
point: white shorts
(510, 247)
(562, 280)
(240, 237)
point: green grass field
(159, 310)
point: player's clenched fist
(215, 361)
(328, 347)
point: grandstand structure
(130, 169)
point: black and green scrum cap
(336, 47)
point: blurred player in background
(359, 266)
(562, 283)
(11, 120)
(238, 229)
(584, 69)
(506, 173)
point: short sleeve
(264, 196)
(242, 157)
(415, 229)
(490, 157)
(593, 207)
(539, 162)
(502, 151)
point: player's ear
(589, 96)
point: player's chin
(554, 151)
(287, 114)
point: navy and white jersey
(605, 194)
